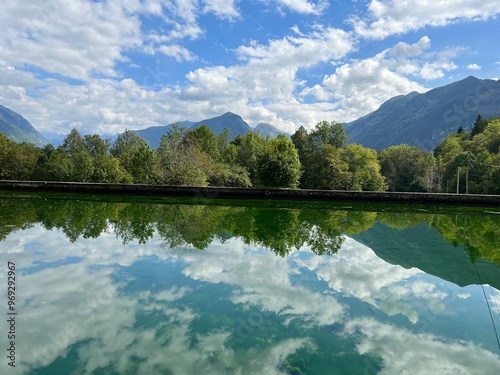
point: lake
(110, 285)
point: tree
(364, 168)
(135, 156)
(248, 149)
(330, 133)
(405, 167)
(181, 163)
(17, 160)
(326, 169)
(279, 165)
(205, 139)
(321, 167)
(478, 126)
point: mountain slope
(18, 129)
(267, 130)
(425, 119)
(153, 134)
(228, 120)
(231, 121)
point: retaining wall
(252, 193)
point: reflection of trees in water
(277, 229)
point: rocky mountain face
(425, 119)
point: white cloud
(356, 271)
(222, 8)
(404, 352)
(388, 17)
(75, 39)
(363, 85)
(176, 51)
(305, 6)
(274, 293)
(474, 67)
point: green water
(109, 285)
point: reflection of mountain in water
(422, 247)
(408, 239)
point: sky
(110, 65)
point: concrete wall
(251, 193)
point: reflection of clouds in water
(356, 271)
(404, 352)
(71, 303)
(79, 304)
(264, 279)
(67, 305)
(493, 296)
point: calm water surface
(204, 287)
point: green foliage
(17, 160)
(248, 147)
(319, 159)
(406, 168)
(328, 133)
(327, 163)
(85, 159)
(278, 164)
(180, 162)
(478, 126)
(136, 157)
(364, 169)
(474, 157)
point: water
(134, 286)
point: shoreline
(213, 192)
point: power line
(478, 162)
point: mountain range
(420, 119)
(229, 120)
(18, 129)
(425, 119)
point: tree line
(280, 230)
(316, 159)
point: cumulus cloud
(388, 17)
(275, 293)
(357, 272)
(75, 39)
(361, 86)
(222, 8)
(405, 352)
(474, 67)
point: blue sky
(104, 66)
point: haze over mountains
(416, 119)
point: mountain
(267, 130)
(228, 120)
(425, 119)
(18, 129)
(416, 247)
(153, 134)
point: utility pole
(467, 181)
(458, 180)
(467, 176)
